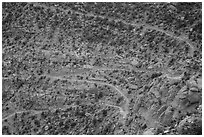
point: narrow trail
(147, 26)
(88, 81)
(23, 111)
(117, 88)
(125, 111)
(168, 33)
(36, 111)
(122, 112)
(174, 77)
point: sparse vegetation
(101, 68)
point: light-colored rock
(149, 131)
(134, 61)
